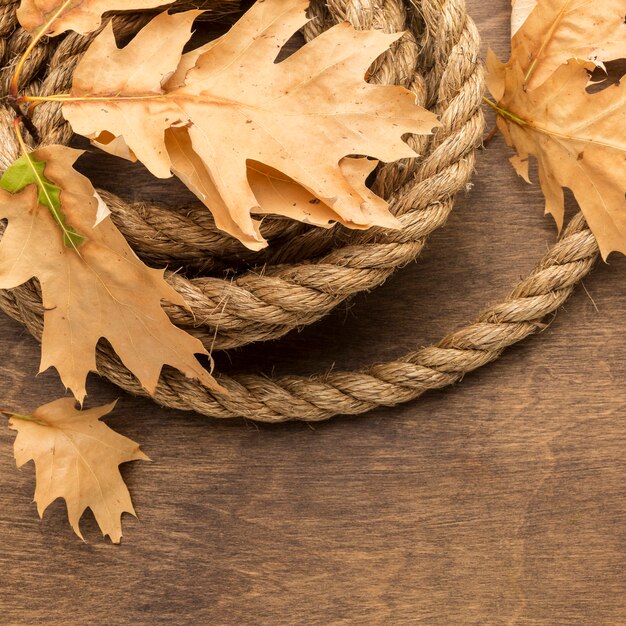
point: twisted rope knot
(306, 272)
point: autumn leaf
(579, 140)
(275, 192)
(559, 30)
(93, 286)
(545, 110)
(82, 16)
(77, 458)
(235, 106)
(520, 10)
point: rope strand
(307, 272)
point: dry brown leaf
(558, 30)
(579, 140)
(94, 290)
(520, 10)
(300, 117)
(77, 458)
(276, 193)
(82, 16)
(279, 194)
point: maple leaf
(77, 458)
(232, 105)
(559, 30)
(92, 284)
(82, 16)
(579, 140)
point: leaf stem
(20, 139)
(68, 97)
(505, 113)
(24, 418)
(15, 80)
(25, 120)
(61, 97)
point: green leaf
(29, 171)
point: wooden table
(501, 500)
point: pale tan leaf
(592, 31)
(521, 164)
(101, 289)
(186, 63)
(82, 16)
(280, 195)
(300, 117)
(188, 166)
(579, 140)
(77, 458)
(496, 72)
(520, 10)
(102, 212)
(114, 145)
(276, 193)
(139, 111)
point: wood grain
(500, 501)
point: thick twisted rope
(259, 305)
(317, 398)
(443, 44)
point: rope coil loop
(306, 271)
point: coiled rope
(307, 272)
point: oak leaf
(579, 140)
(93, 286)
(275, 192)
(82, 16)
(77, 458)
(232, 105)
(559, 30)
(520, 10)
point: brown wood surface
(498, 501)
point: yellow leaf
(579, 140)
(556, 31)
(97, 289)
(77, 458)
(496, 73)
(299, 117)
(82, 16)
